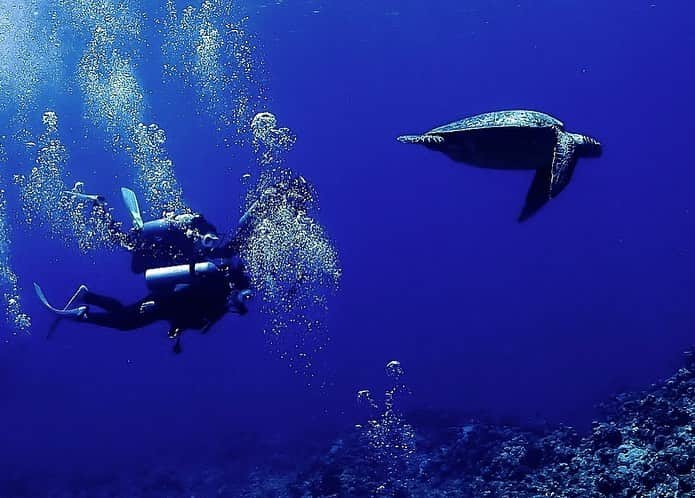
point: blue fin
(65, 313)
(131, 202)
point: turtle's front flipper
(564, 161)
(538, 194)
(421, 139)
(549, 182)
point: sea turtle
(516, 139)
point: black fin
(538, 194)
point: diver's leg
(105, 302)
(125, 318)
(112, 320)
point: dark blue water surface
(543, 319)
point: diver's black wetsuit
(193, 278)
(194, 306)
(178, 243)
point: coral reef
(644, 446)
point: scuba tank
(169, 277)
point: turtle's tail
(587, 146)
(421, 139)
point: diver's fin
(131, 202)
(538, 194)
(64, 313)
(564, 160)
(81, 290)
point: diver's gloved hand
(210, 240)
(239, 301)
(147, 307)
(244, 296)
(175, 334)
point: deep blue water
(543, 319)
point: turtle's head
(586, 146)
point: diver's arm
(100, 210)
(209, 323)
(77, 193)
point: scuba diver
(193, 277)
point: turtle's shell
(501, 140)
(500, 119)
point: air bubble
(388, 437)
(394, 369)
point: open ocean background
(514, 322)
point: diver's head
(241, 299)
(245, 295)
(204, 232)
(209, 240)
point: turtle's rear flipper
(538, 194)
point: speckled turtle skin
(514, 139)
(500, 119)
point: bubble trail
(18, 320)
(389, 438)
(47, 203)
(31, 59)
(292, 262)
(294, 266)
(270, 143)
(115, 99)
(44, 201)
(14, 315)
(210, 50)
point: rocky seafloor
(644, 446)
